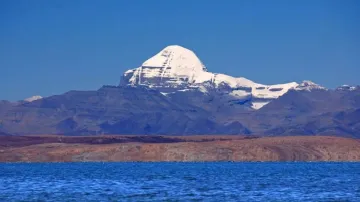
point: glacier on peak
(175, 68)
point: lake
(180, 182)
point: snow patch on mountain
(309, 85)
(347, 88)
(258, 105)
(33, 98)
(203, 89)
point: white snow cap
(33, 98)
(181, 60)
(181, 65)
(347, 87)
(309, 85)
(176, 66)
(174, 62)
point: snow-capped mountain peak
(173, 62)
(347, 88)
(33, 98)
(180, 59)
(177, 69)
(309, 85)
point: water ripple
(180, 182)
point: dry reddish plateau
(179, 148)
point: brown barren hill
(188, 148)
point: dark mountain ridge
(142, 110)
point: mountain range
(173, 93)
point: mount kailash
(173, 93)
(179, 69)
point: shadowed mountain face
(317, 112)
(315, 101)
(112, 110)
(141, 110)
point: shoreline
(118, 148)
(182, 162)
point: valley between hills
(115, 148)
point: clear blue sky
(50, 47)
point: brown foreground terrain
(184, 148)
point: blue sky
(50, 47)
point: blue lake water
(180, 182)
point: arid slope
(200, 148)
